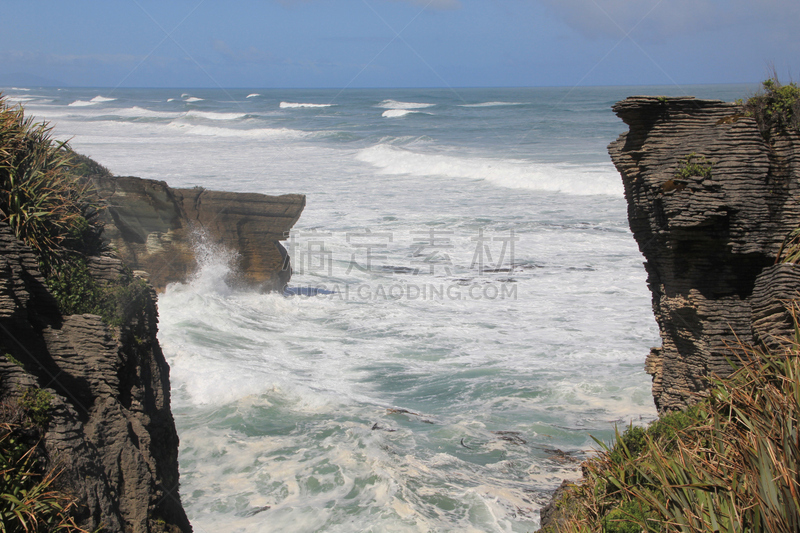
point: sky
(397, 43)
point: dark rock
(710, 241)
(111, 429)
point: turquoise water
(480, 302)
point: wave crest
(394, 104)
(508, 173)
(491, 104)
(96, 100)
(293, 105)
(395, 113)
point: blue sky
(397, 43)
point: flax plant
(40, 198)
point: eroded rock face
(709, 241)
(154, 227)
(110, 428)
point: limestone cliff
(710, 240)
(110, 426)
(153, 227)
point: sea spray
(216, 270)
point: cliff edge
(710, 202)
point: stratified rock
(707, 239)
(154, 228)
(110, 427)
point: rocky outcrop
(710, 240)
(110, 426)
(154, 228)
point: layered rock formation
(154, 227)
(710, 240)
(110, 427)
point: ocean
(468, 307)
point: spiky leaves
(40, 198)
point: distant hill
(22, 79)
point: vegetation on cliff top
(47, 198)
(730, 464)
(48, 205)
(776, 108)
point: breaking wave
(96, 100)
(292, 105)
(394, 104)
(510, 173)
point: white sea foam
(19, 99)
(394, 104)
(252, 95)
(491, 104)
(510, 173)
(291, 105)
(397, 113)
(18, 89)
(210, 115)
(136, 112)
(193, 99)
(96, 100)
(255, 133)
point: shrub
(776, 108)
(77, 292)
(693, 165)
(36, 403)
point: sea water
(468, 306)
